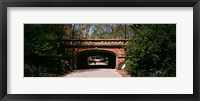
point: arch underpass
(83, 59)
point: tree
(107, 31)
(43, 49)
(152, 51)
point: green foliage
(120, 65)
(129, 66)
(43, 49)
(152, 51)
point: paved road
(94, 73)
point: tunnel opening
(90, 59)
(97, 60)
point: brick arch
(115, 51)
(93, 49)
(81, 58)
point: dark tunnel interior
(82, 59)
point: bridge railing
(96, 42)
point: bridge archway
(82, 59)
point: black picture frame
(99, 3)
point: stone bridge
(79, 50)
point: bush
(29, 71)
(120, 65)
(43, 49)
(152, 51)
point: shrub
(120, 65)
(43, 49)
(152, 51)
